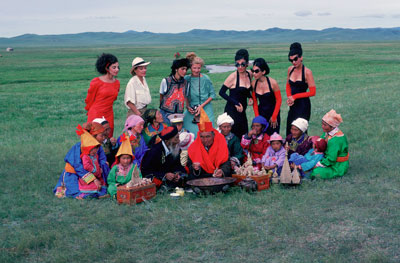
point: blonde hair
(194, 59)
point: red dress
(100, 99)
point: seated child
(275, 155)
(121, 173)
(91, 164)
(307, 162)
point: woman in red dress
(103, 90)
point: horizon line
(131, 30)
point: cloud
(101, 17)
(396, 16)
(303, 13)
(373, 16)
(324, 14)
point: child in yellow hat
(121, 172)
(93, 182)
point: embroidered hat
(319, 143)
(88, 142)
(301, 123)
(205, 125)
(332, 118)
(168, 133)
(275, 137)
(224, 118)
(125, 147)
(176, 118)
(93, 128)
(186, 139)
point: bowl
(211, 184)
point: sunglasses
(295, 59)
(255, 70)
(243, 64)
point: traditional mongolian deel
(74, 171)
(336, 160)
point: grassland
(351, 219)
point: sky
(45, 17)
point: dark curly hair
(179, 63)
(295, 49)
(104, 61)
(242, 54)
(260, 62)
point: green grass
(354, 218)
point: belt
(69, 169)
(343, 158)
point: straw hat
(138, 62)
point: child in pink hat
(275, 155)
(307, 162)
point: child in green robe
(121, 172)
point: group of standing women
(264, 94)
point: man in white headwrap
(224, 123)
(109, 145)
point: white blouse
(137, 92)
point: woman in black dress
(239, 85)
(299, 79)
(266, 91)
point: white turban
(224, 118)
(100, 120)
(301, 123)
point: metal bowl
(211, 184)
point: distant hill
(272, 35)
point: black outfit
(156, 164)
(301, 107)
(237, 95)
(110, 151)
(266, 107)
(193, 174)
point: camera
(196, 119)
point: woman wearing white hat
(298, 140)
(137, 93)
